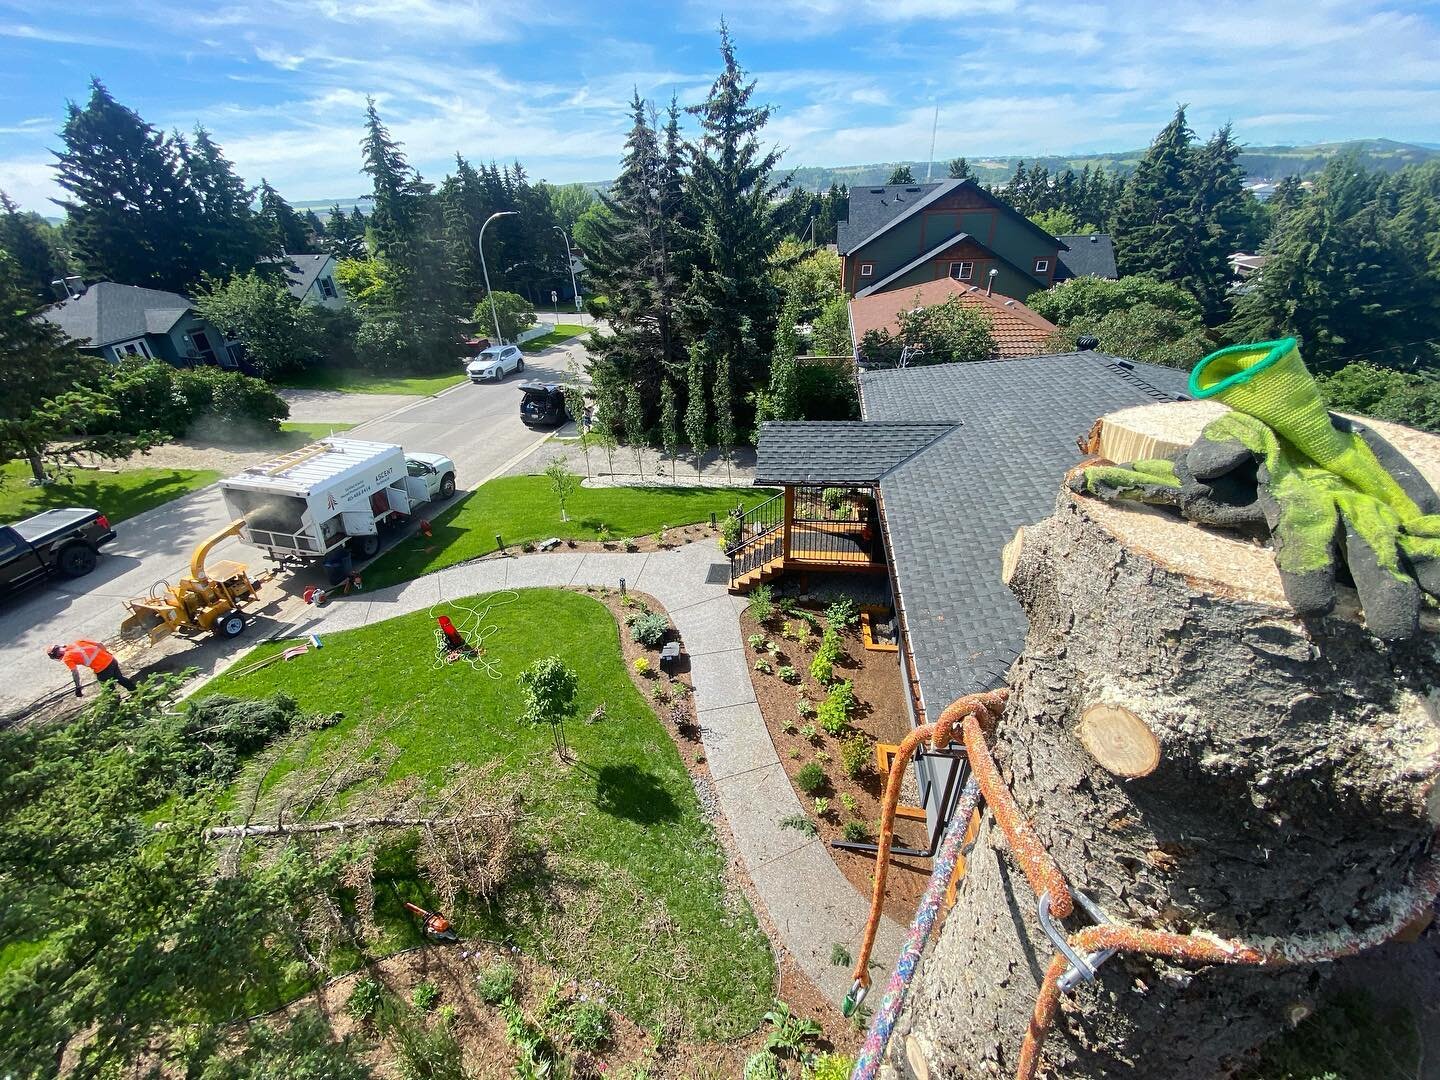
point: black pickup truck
(63, 542)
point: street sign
(554, 297)
(577, 301)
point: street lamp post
(570, 262)
(483, 270)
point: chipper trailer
(332, 494)
(207, 599)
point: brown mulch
(880, 715)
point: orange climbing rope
(966, 710)
(1084, 950)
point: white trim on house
(133, 347)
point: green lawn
(362, 382)
(523, 508)
(562, 332)
(628, 887)
(117, 495)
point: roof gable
(838, 451)
(300, 271)
(108, 312)
(874, 211)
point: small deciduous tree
(550, 688)
(563, 482)
(696, 414)
(515, 313)
(940, 334)
(278, 331)
(634, 421)
(669, 423)
(575, 402)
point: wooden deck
(803, 544)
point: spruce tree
(229, 238)
(344, 235)
(731, 300)
(284, 230)
(131, 216)
(28, 240)
(1153, 222)
(901, 174)
(960, 169)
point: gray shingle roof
(874, 207)
(300, 271)
(949, 510)
(1090, 253)
(108, 312)
(837, 451)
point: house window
(327, 289)
(233, 356)
(1042, 266)
(867, 269)
(962, 271)
(200, 345)
(139, 347)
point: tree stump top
(1215, 560)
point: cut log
(1292, 794)
(302, 828)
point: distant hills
(1261, 163)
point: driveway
(477, 426)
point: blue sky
(282, 83)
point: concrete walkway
(810, 903)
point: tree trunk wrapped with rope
(1196, 761)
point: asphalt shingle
(950, 509)
(300, 271)
(1090, 254)
(877, 205)
(108, 312)
(837, 451)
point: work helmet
(55, 652)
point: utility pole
(483, 270)
(934, 126)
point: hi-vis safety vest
(91, 654)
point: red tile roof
(1018, 331)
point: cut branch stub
(1119, 741)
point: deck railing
(835, 525)
(759, 535)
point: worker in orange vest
(86, 653)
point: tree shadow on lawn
(625, 791)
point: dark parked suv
(61, 542)
(543, 404)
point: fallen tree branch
(262, 830)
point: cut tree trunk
(1196, 758)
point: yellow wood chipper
(208, 599)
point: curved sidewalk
(810, 903)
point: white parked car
(495, 363)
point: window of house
(962, 271)
(200, 345)
(867, 269)
(1042, 265)
(233, 355)
(327, 288)
(139, 347)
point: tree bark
(1294, 794)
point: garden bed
(878, 715)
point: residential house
(119, 321)
(1244, 265)
(947, 462)
(311, 279)
(1017, 330)
(900, 235)
(1087, 255)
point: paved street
(477, 426)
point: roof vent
(1126, 364)
(913, 190)
(1087, 343)
(877, 191)
(75, 286)
(1009, 303)
(1094, 238)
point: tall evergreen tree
(731, 301)
(131, 216)
(29, 242)
(960, 169)
(344, 235)
(229, 238)
(284, 230)
(1219, 212)
(901, 174)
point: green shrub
(756, 642)
(154, 396)
(730, 529)
(762, 603)
(516, 314)
(811, 734)
(833, 715)
(822, 666)
(856, 832)
(849, 802)
(762, 1066)
(650, 629)
(855, 756)
(764, 667)
(496, 982)
(822, 806)
(426, 1052)
(788, 674)
(805, 707)
(365, 998)
(425, 995)
(831, 1066)
(842, 614)
(589, 1025)
(800, 823)
(810, 778)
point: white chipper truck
(333, 493)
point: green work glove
(1269, 381)
(1317, 519)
